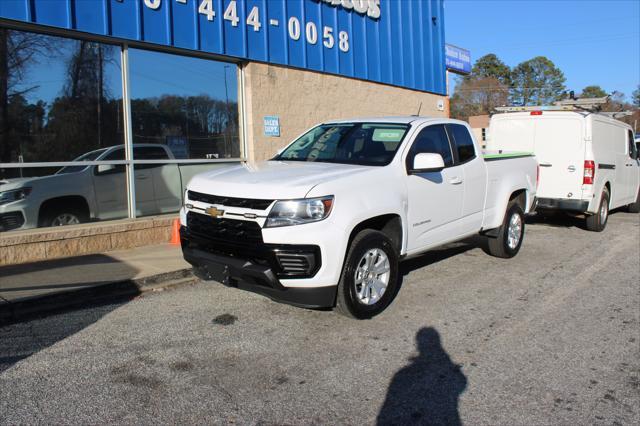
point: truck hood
(16, 183)
(271, 179)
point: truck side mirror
(427, 162)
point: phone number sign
(389, 41)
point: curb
(103, 293)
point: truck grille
(246, 203)
(9, 221)
(228, 230)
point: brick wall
(304, 98)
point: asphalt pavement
(549, 337)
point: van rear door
(560, 147)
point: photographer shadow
(426, 391)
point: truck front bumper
(259, 269)
(562, 204)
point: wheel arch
(389, 224)
(77, 202)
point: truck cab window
(434, 140)
(463, 142)
(149, 153)
(116, 155)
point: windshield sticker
(387, 135)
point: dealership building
(108, 107)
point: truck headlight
(296, 212)
(7, 197)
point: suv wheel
(369, 280)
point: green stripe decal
(507, 155)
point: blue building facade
(396, 42)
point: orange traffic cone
(175, 233)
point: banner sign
(458, 60)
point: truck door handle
(546, 164)
(455, 181)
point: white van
(588, 162)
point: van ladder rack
(584, 104)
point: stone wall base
(51, 243)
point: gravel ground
(549, 337)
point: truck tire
(597, 222)
(510, 233)
(635, 207)
(63, 217)
(369, 280)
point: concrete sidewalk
(129, 271)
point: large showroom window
(73, 150)
(182, 108)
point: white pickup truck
(77, 194)
(326, 222)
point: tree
(593, 92)
(490, 66)
(635, 97)
(18, 50)
(478, 96)
(536, 82)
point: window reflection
(60, 101)
(187, 104)
(59, 98)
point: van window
(463, 143)
(633, 152)
(434, 140)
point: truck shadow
(42, 303)
(437, 255)
(428, 389)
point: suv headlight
(7, 197)
(296, 212)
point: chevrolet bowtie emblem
(214, 212)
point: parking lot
(549, 337)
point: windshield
(370, 144)
(89, 156)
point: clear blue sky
(594, 42)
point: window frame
(129, 162)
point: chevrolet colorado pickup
(326, 221)
(78, 194)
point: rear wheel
(597, 222)
(369, 280)
(510, 234)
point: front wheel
(369, 280)
(510, 234)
